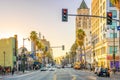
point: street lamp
(24, 40)
(23, 54)
(4, 58)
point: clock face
(116, 3)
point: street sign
(118, 28)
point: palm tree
(40, 45)
(80, 39)
(116, 3)
(73, 51)
(33, 37)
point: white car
(43, 69)
(51, 69)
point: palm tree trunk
(81, 53)
(84, 55)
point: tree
(73, 51)
(33, 37)
(80, 36)
(116, 3)
(40, 45)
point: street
(58, 74)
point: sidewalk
(15, 74)
(116, 75)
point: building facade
(105, 37)
(8, 51)
(84, 23)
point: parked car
(103, 72)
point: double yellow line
(73, 77)
(55, 76)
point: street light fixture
(23, 54)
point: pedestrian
(3, 71)
(13, 70)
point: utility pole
(23, 56)
(114, 47)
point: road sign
(118, 28)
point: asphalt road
(58, 74)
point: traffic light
(64, 15)
(63, 47)
(109, 18)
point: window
(113, 25)
(112, 35)
(104, 5)
(114, 13)
(111, 49)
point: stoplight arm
(92, 16)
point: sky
(23, 16)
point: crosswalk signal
(109, 18)
(64, 15)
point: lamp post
(93, 51)
(23, 55)
(114, 49)
(4, 58)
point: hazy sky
(22, 16)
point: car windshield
(103, 70)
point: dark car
(103, 72)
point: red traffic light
(110, 14)
(64, 15)
(64, 10)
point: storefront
(111, 61)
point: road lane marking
(55, 76)
(91, 77)
(73, 77)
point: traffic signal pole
(109, 20)
(93, 16)
(63, 47)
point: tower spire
(83, 5)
